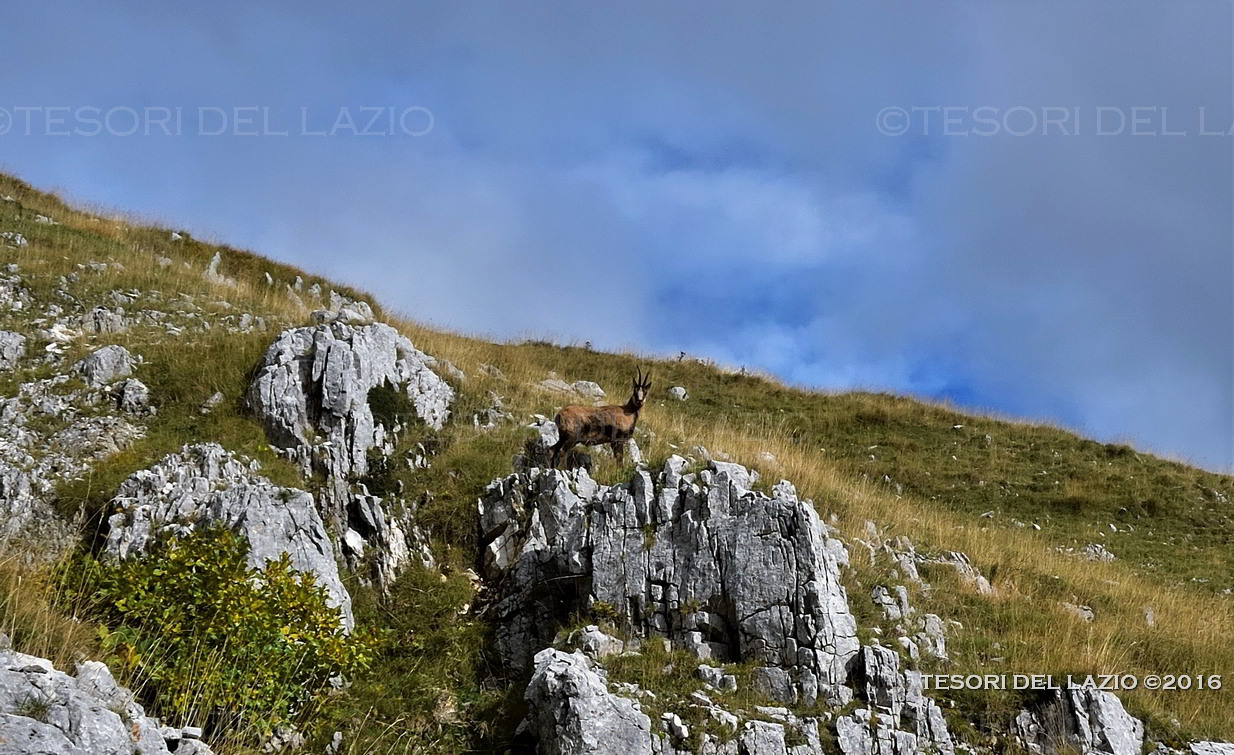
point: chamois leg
(618, 447)
(561, 452)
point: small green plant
(33, 705)
(390, 405)
(383, 472)
(604, 612)
(208, 638)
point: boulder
(598, 644)
(134, 397)
(315, 382)
(12, 349)
(588, 390)
(204, 485)
(314, 394)
(571, 712)
(210, 403)
(556, 385)
(898, 717)
(678, 393)
(106, 365)
(12, 238)
(104, 320)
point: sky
(1026, 208)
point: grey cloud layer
(722, 165)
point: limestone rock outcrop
(572, 712)
(724, 572)
(12, 349)
(312, 391)
(48, 711)
(898, 718)
(1079, 720)
(106, 365)
(315, 393)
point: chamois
(593, 425)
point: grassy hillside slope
(1021, 500)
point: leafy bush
(208, 638)
(390, 405)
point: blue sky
(723, 179)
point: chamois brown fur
(594, 425)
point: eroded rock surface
(572, 712)
(1080, 720)
(47, 711)
(49, 433)
(727, 573)
(314, 393)
(106, 365)
(12, 349)
(898, 718)
(315, 381)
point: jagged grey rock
(571, 711)
(932, 639)
(706, 563)
(556, 385)
(49, 711)
(316, 380)
(212, 271)
(134, 397)
(899, 718)
(1083, 613)
(1085, 720)
(493, 415)
(393, 540)
(210, 403)
(597, 644)
(588, 390)
(14, 239)
(12, 349)
(312, 393)
(1097, 552)
(106, 365)
(678, 392)
(537, 452)
(889, 605)
(104, 320)
(204, 485)
(49, 432)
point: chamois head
(641, 386)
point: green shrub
(207, 638)
(390, 405)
